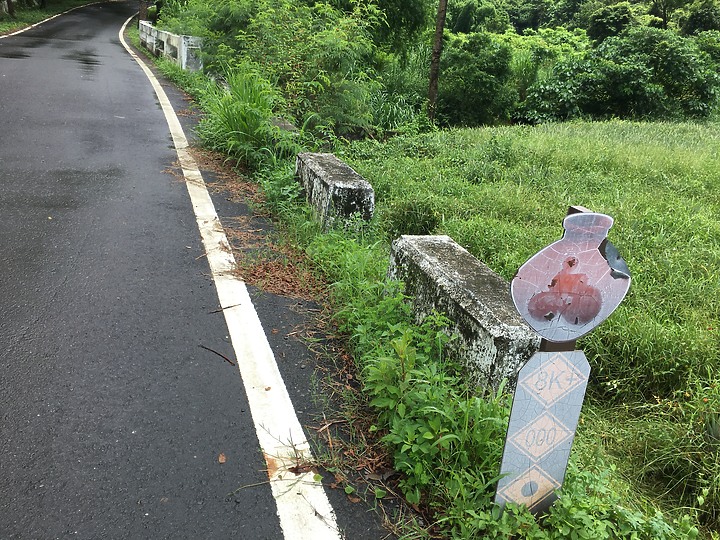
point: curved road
(112, 415)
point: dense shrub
(548, 43)
(476, 16)
(609, 21)
(703, 15)
(709, 42)
(187, 16)
(643, 73)
(230, 18)
(662, 11)
(528, 15)
(402, 20)
(319, 56)
(686, 76)
(596, 88)
(564, 12)
(535, 53)
(475, 84)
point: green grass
(27, 17)
(503, 192)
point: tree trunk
(11, 8)
(143, 16)
(435, 59)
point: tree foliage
(475, 84)
(530, 14)
(609, 21)
(642, 73)
(358, 66)
(703, 15)
(477, 16)
(403, 21)
(664, 9)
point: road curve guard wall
(493, 341)
(183, 50)
(334, 189)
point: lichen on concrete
(493, 342)
(333, 189)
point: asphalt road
(112, 415)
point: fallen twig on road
(218, 353)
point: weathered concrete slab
(334, 189)
(439, 274)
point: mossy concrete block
(493, 342)
(334, 189)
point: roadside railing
(183, 50)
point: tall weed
(239, 119)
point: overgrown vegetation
(447, 439)
(350, 67)
(502, 193)
(645, 462)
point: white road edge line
(302, 504)
(53, 17)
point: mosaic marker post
(563, 292)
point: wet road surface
(112, 414)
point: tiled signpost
(563, 292)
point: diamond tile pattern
(531, 488)
(545, 412)
(553, 380)
(542, 436)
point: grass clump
(239, 120)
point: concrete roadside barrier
(334, 190)
(493, 341)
